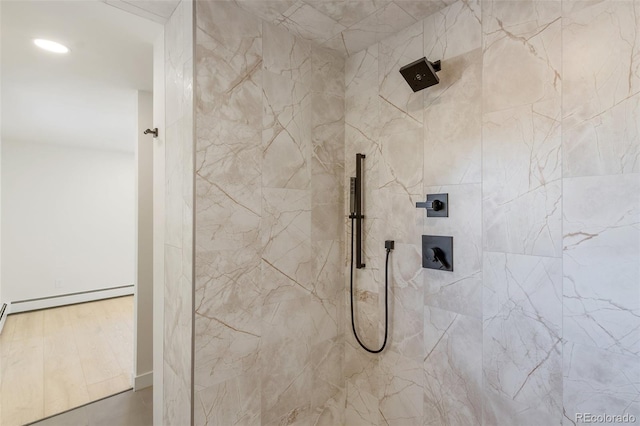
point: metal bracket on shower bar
(358, 216)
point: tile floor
(60, 358)
(125, 409)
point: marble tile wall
(178, 293)
(533, 132)
(269, 226)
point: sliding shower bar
(356, 208)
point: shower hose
(386, 301)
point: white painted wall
(158, 229)
(68, 215)
(143, 300)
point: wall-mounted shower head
(421, 74)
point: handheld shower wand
(352, 197)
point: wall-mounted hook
(154, 132)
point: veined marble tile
(401, 162)
(521, 53)
(461, 290)
(601, 252)
(285, 54)
(174, 175)
(401, 108)
(452, 368)
(360, 370)
(521, 180)
(225, 220)
(328, 380)
(328, 140)
(328, 72)
(324, 316)
(362, 114)
(286, 381)
(287, 320)
(453, 31)
(268, 10)
(332, 412)
(402, 222)
(223, 353)
(309, 23)
(231, 27)
(347, 12)
(286, 235)
(401, 390)
(499, 411)
(601, 88)
(379, 25)
(337, 45)
(278, 287)
(229, 127)
(328, 270)
(523, 330)
(453, 123)
(603, 143)
(286, 136)
(232, 402)
(179, 225)
(228, 315)
(420, 9)
(361, 72)
(362, 106)
(598, 381)
(361, 408)
(327, 222)
(228, 288)
(178, 49)
(176, 398)
(327, 127)
(327, 186)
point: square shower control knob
(437, 205)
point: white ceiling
(87, 97)
(345, 26)
(157, 10)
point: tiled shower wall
(178, 292)
(533, 132)
(268, 205)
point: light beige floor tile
(56, 359)
(64, 382)
(119, 339)
(22, 390)
(109, 387)
(29, 325)
(96, 358)
(57, 320)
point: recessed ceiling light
(51, 46)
